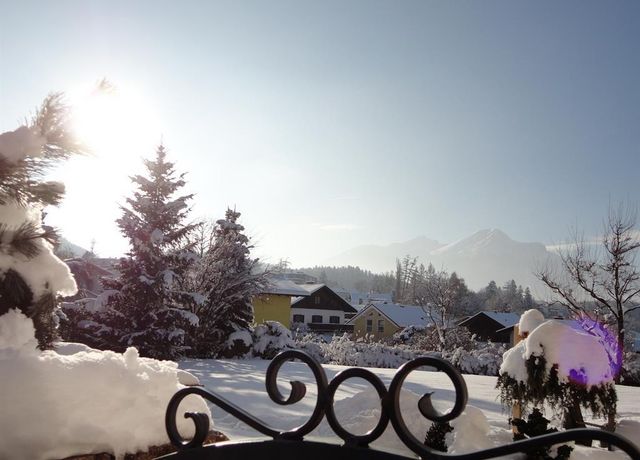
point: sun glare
(114, 120)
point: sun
(113, 120)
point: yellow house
(274, 303)
(379, 320)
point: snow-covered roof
(503, 318)
(284, 287)
(308, 288)
(311, 287)
(401, 315)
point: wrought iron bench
(292, 445)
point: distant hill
(484, 256)
(352, 279)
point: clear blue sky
(333, 124)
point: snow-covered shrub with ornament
(560, 365)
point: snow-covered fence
(290, 444)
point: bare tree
(601, 284)
(203, 237)
(438, 293)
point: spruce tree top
(153, 220)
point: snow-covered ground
(357, 407)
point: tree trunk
(619, 350)
(573, 419)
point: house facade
(274, 303)
(381, 319)
(321, 310)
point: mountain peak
(491, 234)
(488, 237)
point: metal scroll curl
(390, 411)
(298, 390)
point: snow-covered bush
(407, 334)
(484, 360)
(299, 328)
(562, 366)
(80, 400)
(631, 369)
(270, 338)
(342, 350)
(311, 343)
(78, 321)
(426, 339)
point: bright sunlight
(112, 120)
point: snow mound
(15, 332)
(360, 413)
(529, 320)
(579, 356)
(470, 432)
(71, 348)
(81, 400)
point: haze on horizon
(331, 125)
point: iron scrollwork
(355, 445)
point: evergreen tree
(398, 294)
(510, 300)
(31, 276)
(528, 299)
(492, 296)
(228, 278)
(148, 308)
(436, 436)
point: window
(380, 325)
(317, 300)
(298, 318)
(334, 319)
(316, 318)
(369, 325)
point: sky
(338, 123)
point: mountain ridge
(486, 255)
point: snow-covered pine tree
(31, 276)
(148, 308)
(228, 278)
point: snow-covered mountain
(484, 256)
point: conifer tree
(147, 306)
(228, 278)
(31, 276)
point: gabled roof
(502, 318)
(311, 287)
(400, 315)
(284, 287)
